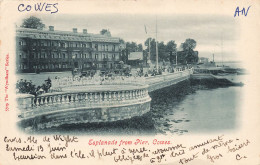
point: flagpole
(149, 47)
(149, 55)
(176, 57)
(156, 48)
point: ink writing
(47, 7)
(243, 11)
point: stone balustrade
(51, 103)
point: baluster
(114, 95)
(109, 96)
(130, 94)
(33, 102)
(83, 97)
(44, 101)
(71, 98)
(51, 100)
(90, 97)
(123, 93)
(54, 99)
(105, 96)
(126, 98)
(96, 98)
(79, 97)
(76, 97)
(100, 97)
(68, 98)
(60, 99)
(86, 97)
(40, 101)
(65, 98)
(48, 100)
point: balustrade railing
(31, 104)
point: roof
(135, 56)
(63, 35)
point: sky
(207, 30)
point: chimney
(75, 30)
(51, 28)
(85, 31)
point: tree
(32, 22)
(164, 51)
(171, 48)
(131, 46)
(105, 32)
(189, 55)
(152, 48)
(139, 47)
(189, 44)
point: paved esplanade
(104, 101)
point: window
(84, 45)
(117, 56)
(20, 43)
(96, 56)
(63, 55)
(103, 47)
(52, 55)
(114, 48)
(106, 47)
(96, 46)
(52, 44)
(64, 65)
(20, 55)
(113, 56)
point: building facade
(50, 50)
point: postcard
(129, 82)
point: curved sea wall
(83, 105)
